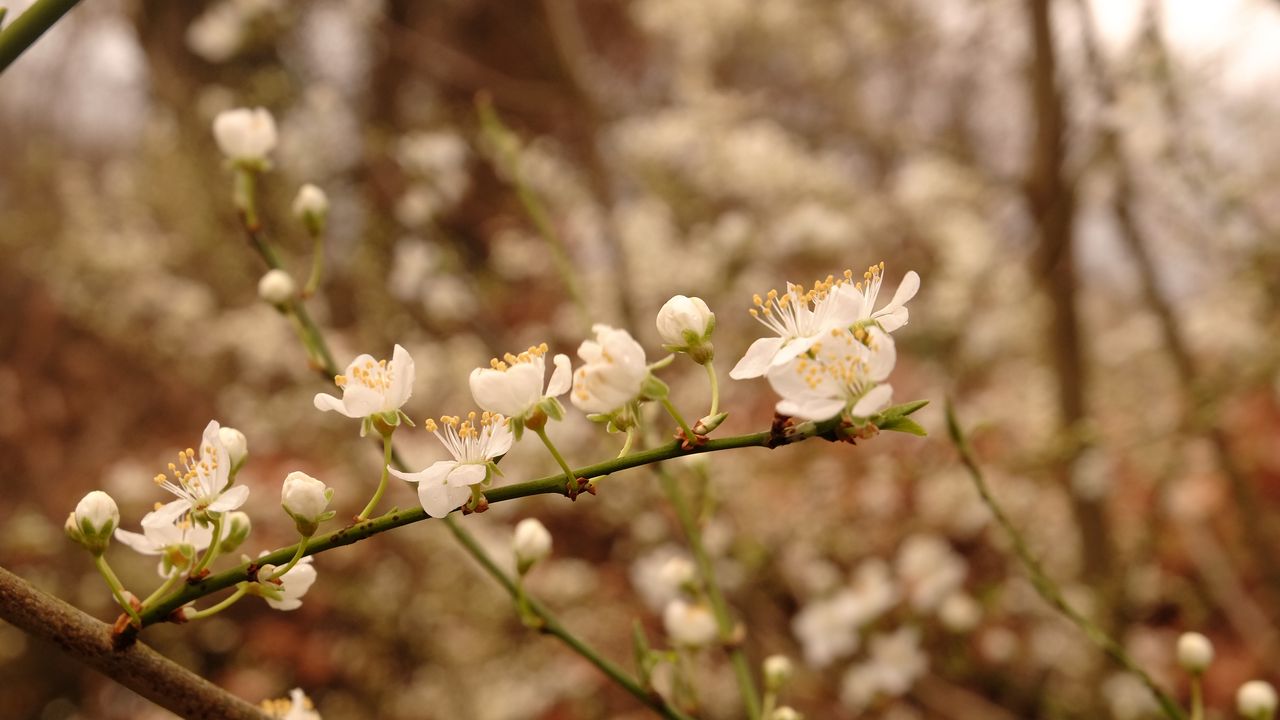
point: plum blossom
(201, 483)
(295, 707)
(843, 373)
(864, 293)
(685, 325)
(800, 318)
(513, 386)
(895, 664)
(286, 591)
(373, 388)
(95, 516)
(245, 135)
(613, 373)
(176, 542)
(689, 624)
(828, 628)
(474, 444)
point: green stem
(1197, 700)
(317, 267)
(504, 142)
(301, 552)
(550, 484)
(1045, 585)
(215, 609)
(626, 446)
(29, 26)
(552, 626)
(164, 588)
(117, 589)
(212, 551)
(382, 483)
(720, 608)
(715, 387)
(569, 477)
(671, 410)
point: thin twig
(1045, 585)
(20, 34)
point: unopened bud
(305, 498)
(777, 671)
(1195, 652)
(532, 543)
(709, 423)
(236, 444)
(311, 206)
(96, 516)
(685, 325)
(1256, 700)
(277, 287)
(689, 624)
(785, 713)
(237, 529)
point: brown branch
(138, 667)
(1051, 198)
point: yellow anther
(159, 479)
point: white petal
(466, 475)
(811, 408)
(361, 401)
(794, 348)
(402, 373)
(757, 360)
(883, 354)
(433, 475)
(907, 289)
(328, 402)
(846, 307)
(561, 378)
(170, 512)
(492, 391)
(500, 439)
(233, 498)
(137, 541)
(893, 320)
(876, 399)
(440, 500)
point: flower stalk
(382, 483)
(117, 589)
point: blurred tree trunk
(1052, 201)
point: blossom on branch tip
(474, 443)
(531, 543)
(613, 371)
(246, 135)
(277, 287)
(373, 389)
(202, 483)
(844, 373)
(177, 542)
(513, 386)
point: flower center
(375, 376)
(467, 440)
(798, 312)
(192, 479)
(534, 352)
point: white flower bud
(785, 713)
(531, 543)
(1195, 652)
(677, 573)
(237, 530)
(245, 135)
(1256, 700)
(689, 624)
(685, 325)
(96, 516)
(235, 443)
(277, 287)
(777, 671)
(959, 613)
(305, 499)
(311, 206)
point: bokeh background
(1087, 189)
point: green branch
(551, 484)
(29, 26)
(1045, 585)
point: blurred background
(1087, 189)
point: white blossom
(800, 318)
(845, 372)
(613, 372)
(896, 662)
(176, 541)
(93, 520)
(531, 543)
(277, 287)
(689, 624)
(310, 200)
(1256, 700)
(959, 613)
(930, 570)
(305, 499)
(828, 628)
(372, 388)
(891, 316)
(245, 135)
(295, 707)
(685, 324)
(777, 671)
(202, 483)
(473, 443)
(286, 591)
(1195, 652)
(513, 386)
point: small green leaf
(904, 409)
(902, 424)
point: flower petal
(466, 475)
(875, 400)
(561, 378)
(811, 408)
(402, 374)
(137, 541)
(440, 500)
(794, 348)
(170, 512)
(757, 359)
(328, 402)
(433, 475)
(233, 498)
